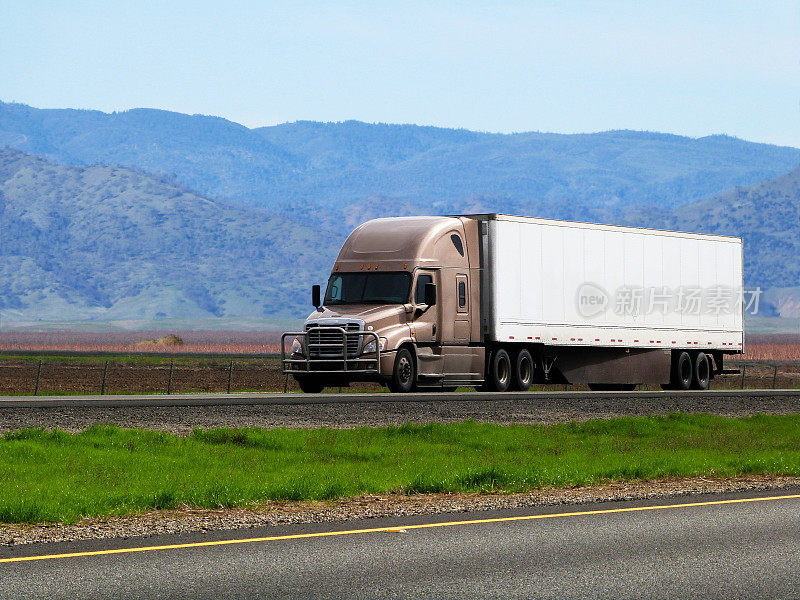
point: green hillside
(117, 244)
(767, 216)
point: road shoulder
(271, 514)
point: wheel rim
(702, 372)
(525, 370)
(405, 370)
(686, 371)
(502, 370)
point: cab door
(425, 326)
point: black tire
(498, 376)
(682, 371)
(310, 385)
(404, 374)
(701, 374)
(522, 373)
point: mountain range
(114, 244)
(149, 214)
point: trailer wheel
(498, 376)
(522, 375)
(682, 371)
(701, 373)
(404, 374)
(309, 385)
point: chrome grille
(326, 342)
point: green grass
(56, 476)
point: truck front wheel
(404, 375)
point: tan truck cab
(385, 317)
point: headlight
(369, 347)
(297, 347)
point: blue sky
(692, 68)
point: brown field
(136, 375)
(129, 373)
(780, 346)
(140, 375)
(222, 342)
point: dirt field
(231, 342)
(62, 375)
(779, 346)
(72, 375)
(132, 373)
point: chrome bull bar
(307, 363)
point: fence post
(38, 373)
(230, 371)
(744, 370)
(775, 377)
(286, 384)
(169, 383)
(103, 385)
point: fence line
(221, 378)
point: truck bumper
(340, 377)
(330, 360)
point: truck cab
(401, 307)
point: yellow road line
(393, 529)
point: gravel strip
(369, 506)
(182, 420)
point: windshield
(368, 288)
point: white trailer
(579, 284)
(502, 302)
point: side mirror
(315, 296)
(430, 294)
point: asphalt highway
(272, 398)
(721, 546)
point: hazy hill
(105, 242)
(111, 243)
(117, 244)
(767, 216)
(342, 172)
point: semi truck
(502, 302)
